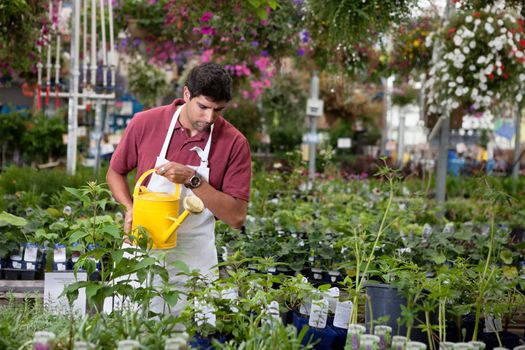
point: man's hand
(175, 172)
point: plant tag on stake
(31, 252)
(204, 313)
(273, 312)
(492, 324)
(332, 296)
(343, 311)
(232, 295)
(318, 313)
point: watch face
(195, 181)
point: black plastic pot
(385, 300)
(508, 340)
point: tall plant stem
(483, 281)
(429, 330)
(359, 280)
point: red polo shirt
(229, 160)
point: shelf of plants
(345, 265)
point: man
(190, 143)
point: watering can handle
(136, 190)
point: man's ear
(186, 94)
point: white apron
(196, 235)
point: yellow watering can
(158, 212)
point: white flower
(468, 19)
(477, 22)
(489, 69)
(466, 49)
(500, 22)
(522, 77)
(483, 87)
(459, 80)
(519, 54)
(445, 77)
(490, 20)
(503, 30)
(452, 84)
(472, 44)
(519, 97)
(458, 40)
(489, 28)
(474, 92)
(472, 67)
(481, 60)
(459, 91)
(455, 104)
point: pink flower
(207, 30)
(262, 63)
(206, 16)
(207, 55)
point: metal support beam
(517, 142)
(73, 88)
(314, 95)
(401, 137)
(441, 177)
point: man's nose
(209, 115)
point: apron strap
(167, 140)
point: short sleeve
(125, 157)
(238, 173)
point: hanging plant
(409, 54)
(146, 81)
(481, 61)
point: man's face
(202, 112)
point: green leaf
(117, 255)
(180, 265)
(171, 298)
(506, 256)
(77, 235)
(92, 289)
(10, 219)
(75, 192)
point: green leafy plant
(146, 81)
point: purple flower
(206, 16)
(264, 53)
(300, 52)
(207, 30)
(255, 43)
(305, 36)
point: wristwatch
(194, 181)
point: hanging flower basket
(480, 62)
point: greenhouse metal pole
(441, 176)
(444, 131)
(401, 137)
(314, 95)
(73, 90)
(517, 141)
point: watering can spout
(192, 205)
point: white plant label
(30, 266)
(318, 313)
(273, 311)
(332, 296)
(343, 311)
(30, 253)
(59, 255)
(204, 313)
(232, 295)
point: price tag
(318, 313)
(343, 311)
(314, 107)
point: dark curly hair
(210, 80)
